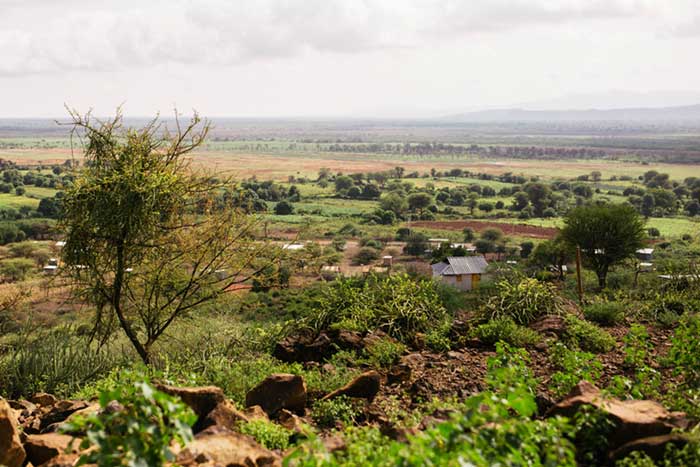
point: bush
(16, 269)
(327, 413)
(397, 304)
(605, 313)
(366, 255)
(572, 367)
(684, 355)
(139, 433)
(587, 336)
(284, 208)
(384, 352)
(267, 433)
(523, 300)
(505, 330)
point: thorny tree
(148, 237)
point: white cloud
(98, 36)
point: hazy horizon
(345, 59)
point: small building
(645, 254)
(437, 242)
(387, 261)
(330, 272)
(462, 272)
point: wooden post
(579, 283)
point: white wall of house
(462, 282)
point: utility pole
(579, 283)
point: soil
(520, 230)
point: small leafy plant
(267, 433)
(573, 367)
(135, 427)
(587, 336)
(605, 313)
(341, 409)
(505, 329)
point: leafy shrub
(53, 361)
(572, 367)
(523, 300)
(587, 336)
(438, 337)
(326, 413)
(684, 354)
(605, 313)
(384, 352)
(505, 330)
(267, 433)
(140, 432)
(397, 304)
(366, 255)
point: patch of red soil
(520, 230)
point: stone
(226, 447)
(653, 446)
(255, 413)
(12, 453)
(398, 374)
(549, 325)
(290, 421)
(225, 414)
(364, 386)
(44, 447)
(278, 391)
(59, 412)
(201, 400)
(26, 407)
(633, 419)
(304, 348)
(63, 460)
(43, 399)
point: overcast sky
(344, 57)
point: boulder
(364, 386)
(43, 399)
(42, 448)
(278, 391)
(201, 400)
(304, 348)
(225, 414)
(633, 419)
(59, 412)
(63, 460)
(290, 421)
(653, 446)
(549, 325)
(11, 451)
(255, 413)
(225, 447)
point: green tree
(607, 235)
(553, 252)
(147, 240)
(284, 208)
(343, 183)
(394, 202)
(419, 201)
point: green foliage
(366, 255)
(438, 337)
(506, 330)
(327, 413)
(267, 433)
(137, 433)
(491, 428)
(384, 352)
(607, 235)
(523, 300)
(593, 429)
(53, 361)
(573, 366)
(587, 336)
(605, 313)
(397, 304)
(645, 382)
(684, 354)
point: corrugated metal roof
(466, 265)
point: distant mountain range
(644, 114)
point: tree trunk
(116, 304)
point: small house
(462, 272)
(645, 254)
(434, 243)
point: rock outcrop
(364, 386)
(278, 391)
(12, 453)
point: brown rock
(42, 448)
(201, 400)
(304, 348)
(290, 421)
(633, 419)
(11, 452)
(278, 391)
(43, 399)
(228, 448)
(653, 446)
(398, 374)
(225, 414)
(255, 413)
(26, 407)
(63, 460)
(549, 325)
(364, 386)
(59, 412)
